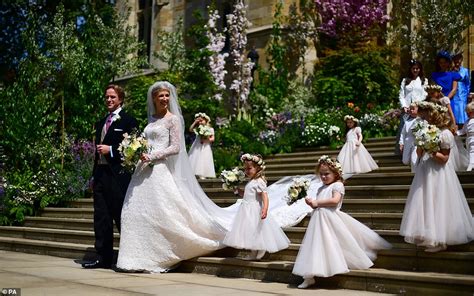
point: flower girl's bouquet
(297, 190)
(426, 136)
(131, 148)
(232, 178)
(203, 131)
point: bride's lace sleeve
(173, 148)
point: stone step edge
(434, 277)
(293, 246)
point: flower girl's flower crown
(350, 117)
(202, 115)
(255, 158)
(433, 87)
(432, 106)
(331, 162)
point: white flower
(116, 118)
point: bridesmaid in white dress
(254, 228)
(436, 211)
(334, 241)
(200, 153)
(353, 156)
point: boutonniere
(116, 118)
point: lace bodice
(326, 191)
(352, 134)
(163, 136)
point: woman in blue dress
(448, 80)
(460, 99)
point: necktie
(108, 122)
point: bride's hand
(144, 157)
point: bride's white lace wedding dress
(161, 226)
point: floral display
(426, 136)
(297, 190)
(131, 149)
(203, 131)
(232, 178)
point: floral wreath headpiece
(253, 157)
(433, 106)
(433, 87)
(331, 162)
(350, 117)
(202, 115)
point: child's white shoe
(436, 249)
(260, 254)
(306, 283)
(469, 167)
(251, 256)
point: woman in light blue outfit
(459, 101)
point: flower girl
(253, 229)
(436, 212)
(353, 156)
(200, 154)
(334, 241)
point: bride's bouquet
(131, 148)
(426, 136)
(232, 178)
(203, 131)
(297, 190)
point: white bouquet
(131, 148)
(297, 190)
(203, 130)
(232, 178)
(426, 136)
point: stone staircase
(376, 199)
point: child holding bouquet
(200, 154)
(353, 156)
(253, 229)
(436, 212)
(334, 241)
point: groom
(110, 182)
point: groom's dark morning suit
(110, 183)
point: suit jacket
(114, 137)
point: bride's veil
(181, 169)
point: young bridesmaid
(436, 212)
(334, 241)
(253, 229)
(353, 156)
(200, 153)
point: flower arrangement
(331, 162)
(297, 190)
(350, 117)
(426, 136)
(433, 106)
(131, 148)
(255, 158)
(232, 178)
(202, 115)
(204, 131)
(433, 87)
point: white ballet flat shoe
(260, 254)
(306, 283)
(251, 256)
(469, 168)
(436, 249)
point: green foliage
(359, 77)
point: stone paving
(46, 275)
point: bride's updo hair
(257, 160)
(159, 88)
(332, 164)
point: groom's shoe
(96, 264)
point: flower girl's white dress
(436, 211)
(355, 159)
(200, 156)
(251, 232)
(334, 241)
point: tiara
(433, 106)
(203, 115)
(253, 157)
(433, 87)
(331, 162)
(350, 117)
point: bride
(166, 216)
